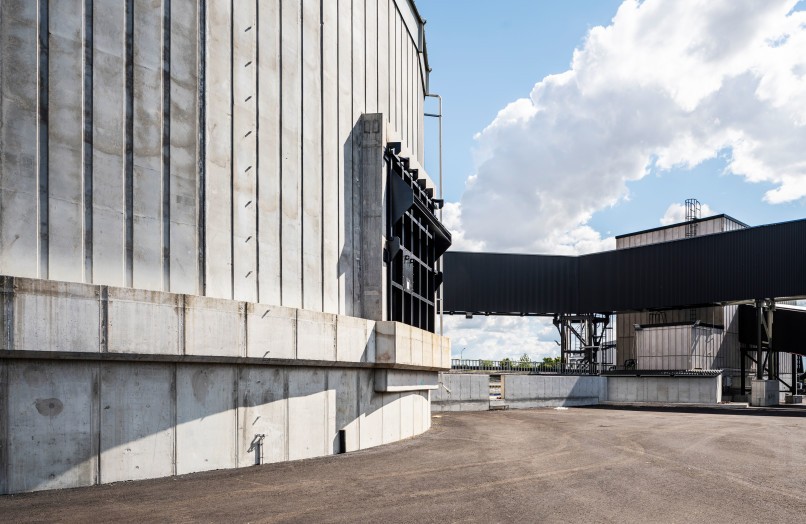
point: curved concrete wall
(199, 146)
(191, 219)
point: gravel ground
(603, 464)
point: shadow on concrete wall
(68, 423)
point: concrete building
(195, 232)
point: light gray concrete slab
(271, 331)
(262, 410)
(370, 405)
(19, 185)
(356, 198)
(331, 147)
(397, 380)
(147, 212)
(218, 148)
(312, 159)
(308, 434)
(268, 170)
(392, 414)
(244, 151)
(214, 326)
(144, 322)
(406, 418)
(137, 421)
(345, 197)
(291, 161)
(316, 335)
(55, 316)
(383, 58)
(65, 141)
(184, 161)
(52, 426)
(355, 341)
(206, 400)
(344, 385)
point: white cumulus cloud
(667, 84)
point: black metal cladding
(761, 262)
(788, 329)
(416, 240)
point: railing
(516, 366)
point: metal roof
(678, 224)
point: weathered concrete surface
(697, 390)
(531, 391)
(579, 465)
(461, 392)
(764, 393)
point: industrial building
(709, 294)
(218, 244)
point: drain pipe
(438, 116)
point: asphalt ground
(603, 464)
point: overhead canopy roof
(759, 262)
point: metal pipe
(759, 320)
(441, 196)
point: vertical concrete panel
(372, 53)
(4, 424)
(262, 410)
(206, 423)
(345, 112)
(65, 141)
(307, 413)
(218, 148)
(312, 160)
(268, 168)
(271, 331)
(244, 143)
(400, 82)
(52, 426)
(391, 417)
(383, 58)
(417, 415)
(370, 407)
(359, 108)
(406, 414)
(138, 411)
(55, 316)
(147, 145)
(330, 157)
(108, 144)
(19, 186)
(343, 383)
(184, 258)
(316, 335)
(291, 147)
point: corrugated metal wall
(765, 261)
(198, 146)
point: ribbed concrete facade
(192, 202)
(199, 146)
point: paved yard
(576, 465)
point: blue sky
(575, 121)
(487, 54)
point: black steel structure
(745, 265)
(415, 241)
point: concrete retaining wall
(461, 392)
(697, 390)
(102, 384)
(70, 423)
(543, 391)
(470, 392)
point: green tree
(506, 363)
(525, 362)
